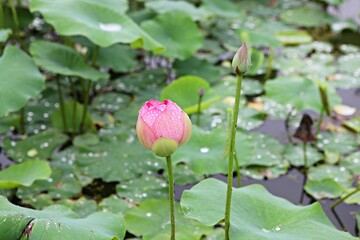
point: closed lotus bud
(242, 60)
(162, 127)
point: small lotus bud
(242, 60)
(201, 92)
(162, 127)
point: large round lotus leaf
(142, 188)
(352, 163)
(307, 16)
(204, 153)
(20, 80)
(295, 155)
(37, 146)
(120, 58)
(350, 64)
(115, 205)
(163, 6)
(283, 90)
(116, 160)
(325, 188)
(196, 67)
(100, 22)
(339, 174)
(293, 37)
(259, 38)
(337, 142)
(4, 34)
(254, 148)
(63, 60)
(177, 32)
(57, 222)
(256, 214)
(224, 8)
(185, 92)
(24, 174)
(151, 220)
(82, 207)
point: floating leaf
(120, 58)
(331, 142)
(4, 34)
(164, 6)
(352, 163)
(283, 90)
(115, 205)
(307, 16)
(295, 156)
(224, 8)
(177, 32)
(325, 188)
(97, 21)
(82, 207)
(26, 80)
(338, 174)
(63, 60)
(350, 64)
(151, 220)
(37, 146)
(256, 214)
(185, 92)
(24, 174)
(293, 37)
(57, 222)
(143, 188)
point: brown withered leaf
(304, 132)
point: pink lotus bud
(242, 60)
(162, 127)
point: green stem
(2, 24)
(62, 107)
(86, 95)
(231, 156)
(305, 157)
(16, 20)
(22, 121)
(238, 175)
(198, 111)
(74, 105)
(320, 120)
(270, 64)
(171, 196)
(344, 198)
(95, 55)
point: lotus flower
(162, 127)
(242, 60)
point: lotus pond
(75, 73)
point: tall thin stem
(344, 198)
(74, 104)
(22, 121)
(231, 156)
(62, 107)
(171, 196)
(305, 171)
(199, 110)
(86, 96)
(16, 20)
(2, 21)
(270, 64)
(95, 55)
(238, 174)
(320, 120)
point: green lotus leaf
(24, 174)
(63, 60)
(20, 80)
(57, 222)
(256, 214)
(101, 22)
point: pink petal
(169, 124)
(146, 136)
(187, 129)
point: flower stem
(231, 156)
(238, 174)
(320, 120)
(16, 20)
(305, 171)
(199, 110)
(270, 64)
(171, 196)
(62, 108)
(344, 198)
(86, 96)
(22, 121)
(2, 25)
